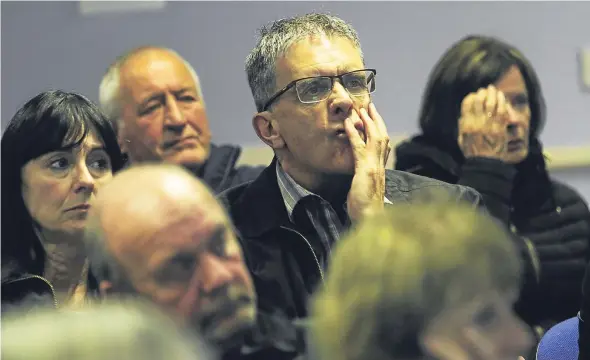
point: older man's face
(313, 134)
(191, 265)
(163, 114)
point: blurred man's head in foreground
(158, 232)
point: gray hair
(276, 38)
(109, 92)
(125, 329)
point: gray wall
(50, 45)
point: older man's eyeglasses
(317, 88)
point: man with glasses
(313, 96)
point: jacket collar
(218, 168)
(270, 211)
(413, 152)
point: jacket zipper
(42, 279)
(534, 257)
(536, 262)
(310, 248)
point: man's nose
(215, 273)
(174, 116)
(342, 102)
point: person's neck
(64, 260)
(333, 188)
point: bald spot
(144, 200)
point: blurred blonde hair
(122, 330)
(398, 270)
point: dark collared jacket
(284, 259)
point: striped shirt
(320, 212)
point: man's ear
(105, 288)
(268, 130)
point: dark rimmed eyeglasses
(317, 88)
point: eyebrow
(71, 147)
(159, 95)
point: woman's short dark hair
(53, 120)
(473, 62)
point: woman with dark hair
(481, 116)
(57, 151)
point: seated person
(157, 232)
(417, 282)
(57, 152)
(153, 97)
(481, 118)
(313, 97)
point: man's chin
(192, 159)
(229, 332)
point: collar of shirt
(293, 192)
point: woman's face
(57, 187)
(513, 86)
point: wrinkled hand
(368, 184)
(483, 124)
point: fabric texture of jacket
(220, 171)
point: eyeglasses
(317, 88)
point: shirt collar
(293, 192)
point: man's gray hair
(109, 92)
(275, 40)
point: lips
(171, 144)
(79, 207)
(359, 126)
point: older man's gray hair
(275, 40)
(109, 93)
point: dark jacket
(275, 337)
(220, 171)
(551, 215)
(26, 291)
(284, 259)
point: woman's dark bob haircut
(472, 63)
(51, 121)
